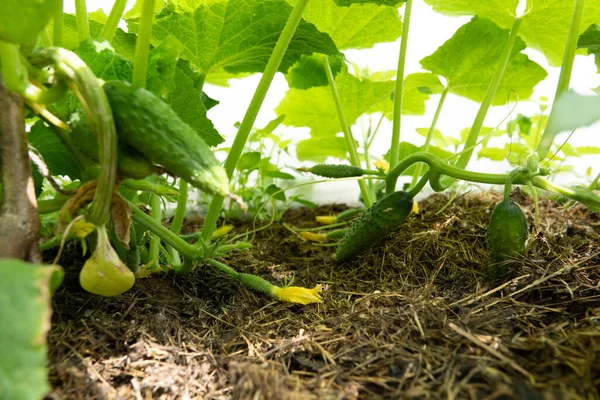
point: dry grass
(414, 317)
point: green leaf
(438, 139)
(571, 111)
(417, 90)
(22, 21)
(103, 61)
(346, 3)
(309, 72)
(122, 42)
(58, 158)
(314, 107)
(590, 40)
(238, 35)
(279, 175)
(317, 149)
(187, 102)
(358, 26)
(469, 59)
(503, 12)
(249, 161)
(275, 191)
(25, 291)
(544, 26)
(493, 153)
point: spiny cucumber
(378, 221)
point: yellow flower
(382, 164)
(82, 228)
(326, 219)
(222, 231)
(296, 294)
(415, 208)
(314, 237)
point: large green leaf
(317, 149)
(238, 35)
(358, 26)
(346, 3)
(25, 306)
(590, 40)
(122, 42)
(417, 89)
(570, 111)
(309, 71)
(469, 59)
(314, 107)
(544, 26)
(503, 12)
(58, 158)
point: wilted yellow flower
(314, 237)
(222, 231)
(82, 228)
(326, 219)
(298, 295)
(382, 164)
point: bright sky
(458, 113)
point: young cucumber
(383, 218)
(507, 236)
(150, 126)
(130, 163)
(335, 170)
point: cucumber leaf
(590, 40)
(309, 71)
(237, 35)
(58, 158)
(469, 59)
(318, 149)
(545, 24)
(358, 26)
(25, 291)
(346, 3)
(314, 107)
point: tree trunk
(19, 220)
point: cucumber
(130, 163)
(381, 219)
(335, 170)
(151, 127)
(507, 236)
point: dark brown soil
(414, 317)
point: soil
(415, 317)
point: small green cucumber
(150, 126)
(335, 170)
(130, 163)
(507, 236)
(378, 221)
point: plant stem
(259, 95)
(142, 44)
(465, 157)
(565, 73)
(46, 39)
(169, 237)
(19, 220)
(13, 71)
(350, 144)
(396, 125)
(58, 24)
(179, 216)
(112, 22)
(427, 144)
(83, 27)
(156, 215)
